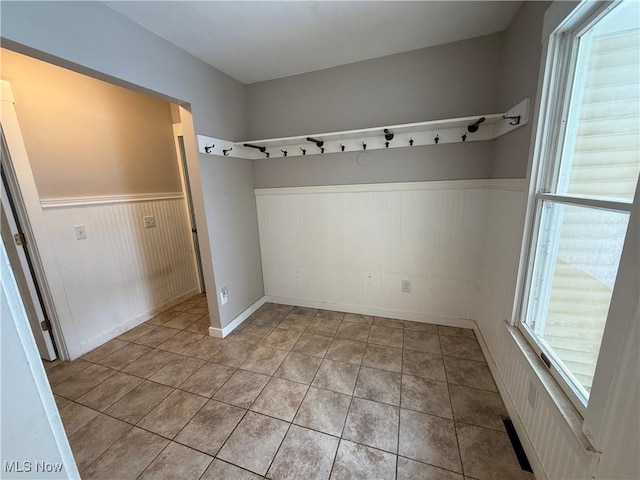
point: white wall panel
(353, 245)
(553, 448)
(122, 273)
(559, 454)
(459, 244)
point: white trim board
(29, 409)
(62, 202)
(236, 322)
(516, 184)
(375, 311)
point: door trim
(31, 217)
(178, 131)
(21, 252)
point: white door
(17, 251)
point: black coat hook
(284, 152)
(257, 147)
(475, 126)
(464, 137)
(319, 143)
(411, 141)
(207, 149)
(515, 120)
(226, 151)
(364, 146)
(342, 147)
(386, 144)
(436, 139)
(388, 136)
(267, 154)
(304, 152)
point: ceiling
(255, 41)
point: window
(588, 169)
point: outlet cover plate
(149, 221)
(81, 232)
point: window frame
(557, 89)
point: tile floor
(294, 393)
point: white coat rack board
(434, 132)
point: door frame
(178, 132)
(23, 269)
(31, 217)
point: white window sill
(558, 398)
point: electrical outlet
(406, 286)
(81, 232)
(224, 295)
(149, 221)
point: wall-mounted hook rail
(226, 151)
(513, 120)
(475, 126)
(469, 129)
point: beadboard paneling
(122, 273)
(559, 451)
(553, 449)
(354, 245)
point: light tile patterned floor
(293, 393)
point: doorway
(110, 220)
(186, 187)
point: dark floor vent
(517, 446)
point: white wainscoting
(555, 451)
(122, 273)
(351, 246)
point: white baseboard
(230, 327)
(375, 311)
(133, 322)
(527, 445)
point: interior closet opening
(101, 178)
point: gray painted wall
(91, 38)
(230, 197)
(452, 80)
(519, 79)
(434, 162)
